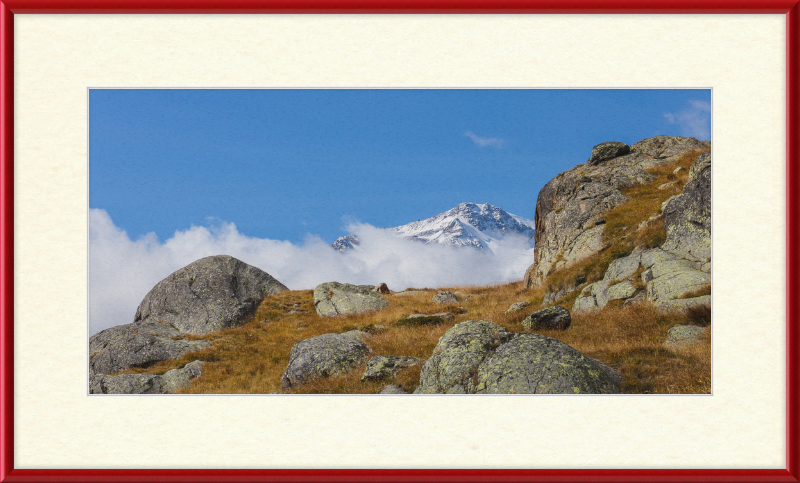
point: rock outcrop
(126, 346)
(333, 299)
(481, 357)
(687, 217)
(167, 383)
(570, 208)
(208, 295)
(665, 277)
(322, 356)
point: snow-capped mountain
(468, 224)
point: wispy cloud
(483, 142)
(694, 120)
(122, 271)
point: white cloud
(122, 271)
(483, 142)
(693, 121)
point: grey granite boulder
(517, 307)
(167, 383)
(535, 364)
(333, 299)
(683, 335)
(605, 151)
(481, 357)
(445, 298)
(385, 367)
(125, 346)
(322, 356)
(208, 295)
(556, 317)
(458, 354)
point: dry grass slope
(252, 358)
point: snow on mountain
(466, 225)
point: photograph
(447, 241)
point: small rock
(414, 320)
(683, 335)
(550, 318)
(445, 298)
(605, 151)
(322, 356)
(382, 288)
(293, 312)
(666, 185)
(677, 170)
(358, 334)
(334, 298)
(392, 389)
(297, 305)
(518, 307)
(384, 367)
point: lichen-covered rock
(535, 364)
(687, 217)
(333, 298)
(385, 367)
(322, 356)
(382, 288)
(483, 357)
(672, 279)
(680, 305)
(571, 208)
(605, 151)
(454, 363)
(620, 291)
(358, 334)
(552, 318)
(445, 298)
(519, 306)
(683, 335)
(208, 295)
(167, 383)
(125, 346)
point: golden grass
(252, 358)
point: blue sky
(272, 177)
(282, 164)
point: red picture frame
(789, 8)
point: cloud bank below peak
(122, 270)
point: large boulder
(687, 217)
(551, 318)
(167, 383)
(125, 346)
(208, 295)
(333, 298)
(571, 208)
(481, 357)
(322, 356)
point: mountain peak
(468, 224)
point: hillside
(616, 301)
